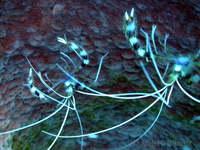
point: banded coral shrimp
(184, 67)
(158, 94)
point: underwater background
(31, 27)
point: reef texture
(31, 27)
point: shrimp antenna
(100, 64)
